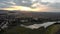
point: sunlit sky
(31, 5)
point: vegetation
(22, 30)
(13, 22)
(53, 29)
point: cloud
(3, 5)
(39, 6)
(17, 8)
(11, 3)
(23, 3)
(55, 5)
(51, 1)
(16, 2)
(6, 3)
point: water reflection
(36, 26)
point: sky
(31, 5)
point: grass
(53, 29)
